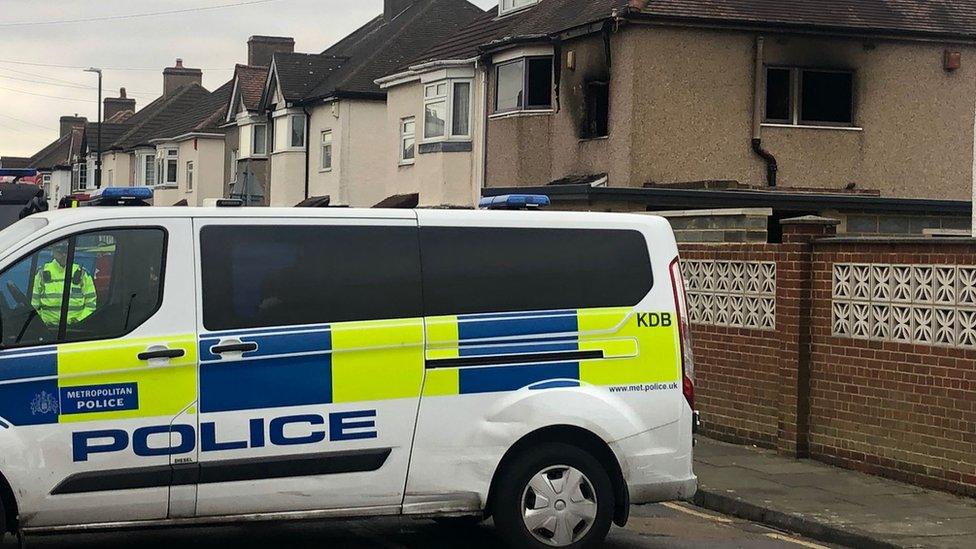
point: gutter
(415, 71)
(798, 28)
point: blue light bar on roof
(514, 202)
(122, 193)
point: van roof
(70, 216)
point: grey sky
(212, 40)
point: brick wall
(902, 409)
(736, 368)
(859, 371)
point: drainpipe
(308, 142)
(771, 166)
(486, 73)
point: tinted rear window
(486, 270)
(255, 276)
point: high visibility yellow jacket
(48, 294)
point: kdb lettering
(164, 440)
(654, 320)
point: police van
(179, 366)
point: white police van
(208, 365)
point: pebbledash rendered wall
(856, 352)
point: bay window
(447, 110)
(524, 84)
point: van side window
(488, 270)
(256, 276)
(91, 286)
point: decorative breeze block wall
(736, 294)
(921, 304)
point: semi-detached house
(863, 110)
(328, 113)
(174, 144)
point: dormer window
(509, 6)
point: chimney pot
(176, 77)
(122, 93)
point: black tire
(511, 486)
(3, 522)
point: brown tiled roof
(14, 162)
(948, 18)
(250, 85)
(110, 134)
(299, 73)
(944, 18)
(120, 117)
(60, 153)
(548, 17)
(191, 108)
(378, 48)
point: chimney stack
(69, 123)
(115, 105)
(261, 49)
(392, 8)
(176, 77)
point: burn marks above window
(809, 97)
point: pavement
(828, 503)
(664, 526)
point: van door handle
(234, 348)
(161, 353)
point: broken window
(809, 97)
(779, 102)
(597, 122)
(524, 84)
(827, 97)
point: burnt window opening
(524, 84)
(597, 120)
(811, 97)
(827, 97)
(779, 96)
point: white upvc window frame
(407, 136)
(326, 139)
(168, 162)
(279, 133)
(189, 176)
(145, 160)
(506, 7)
(433, 95)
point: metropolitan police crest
(45, 403)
